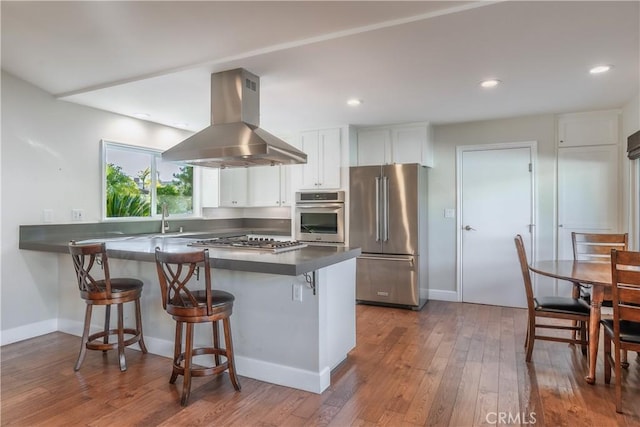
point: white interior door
(496, 203)
(587, 193)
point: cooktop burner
(255, 243)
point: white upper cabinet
(210, 187)
(233, 187)
(411, 143)
(592, 128)
(324, 158)
(264, 186)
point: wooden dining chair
(550, 307)
(90, 263)
(177, 274)
(623, 330)
(596, 247)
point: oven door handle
(321, 205)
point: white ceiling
(408, 61)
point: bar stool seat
(105, 292)
(188, 307)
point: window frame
(156, 154)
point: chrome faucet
(164, 225)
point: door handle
(469, 228)
(378, 225)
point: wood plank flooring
(451, 364)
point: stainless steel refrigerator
(388, 221)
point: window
(137, 183)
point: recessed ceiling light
(490, 83)
(354, 102)
(141, 115)
(600, 69)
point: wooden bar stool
(107, 292)
(188, 306)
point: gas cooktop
(254, 243)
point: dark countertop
(142, 248)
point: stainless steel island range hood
(234, 138)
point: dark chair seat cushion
(217, 298)
(123, 284)
(629, 331)
(562, 305)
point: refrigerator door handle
(385, 201)
(377, 208)
(383, 258)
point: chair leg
(123, 362)
(226, 323)
(531, 335)
(607, 359)
(216, 340)
(85, 337)
(141, 343)
(618, 369)
(584, 336)
(107, 325)
(575, 293)
(625, 361)
(186, 386)
(177, 351)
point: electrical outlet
(47, 215)
(296, 289)
(77, 214)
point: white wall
(51, 160)
(442, 187)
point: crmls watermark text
(506, 418)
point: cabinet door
(309, 144)
(373, 147)
(408, 144)
(264, 186)
(597, 128)
(210, 188)
(286, 195)
(233, 187)
(329, 155)
(588, 189)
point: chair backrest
(85, 258)
(526, 274)
(597, 246)
(625, 290)
(176, 271)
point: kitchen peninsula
(294, 313)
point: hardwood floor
(450, 364)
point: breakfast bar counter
(294, 313)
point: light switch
(449, 213)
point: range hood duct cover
(234, 138)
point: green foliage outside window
(128, 198)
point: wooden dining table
(594, 273)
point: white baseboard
(439, 295)
(25, 332)
(314, 382)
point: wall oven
(319, 216)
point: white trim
(26, 332)
(439, 295)
(314, 382)
(533, 148)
